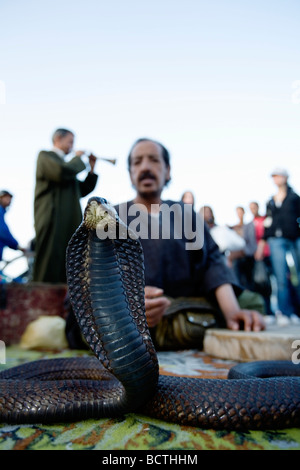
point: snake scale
(106, 287)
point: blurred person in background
(188, 198)
(282, 232)
(207, 213)
(258, 221)
(57, 210)
(6, 237)
(243, 260)
(170, 269)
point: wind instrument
(113, 161)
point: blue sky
(212, 80)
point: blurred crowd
(266, 255)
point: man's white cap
(280, 172)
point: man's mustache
(146, 175)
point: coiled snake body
(106, 285)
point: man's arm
(237, 318)
(89, 184)
(52, 168)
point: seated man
(188, 285)
(174, 271)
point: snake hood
(105, 272)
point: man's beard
(150, 195)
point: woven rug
(137, 432)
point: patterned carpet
(137, 432)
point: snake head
(99, 215)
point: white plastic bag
(47, 332)
(227, 239)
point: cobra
(106, 287)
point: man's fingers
(155, 309)
(159, 302)
(247, 320)
(258, 322)
(151, 291)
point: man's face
(5, 201)
(240, 213)
(279, 180)
(65, 143)
(208, 215)
(148, 170)
(254, 209)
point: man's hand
(92, 162)
(247, 320)
(156, 305)
(237, 318)
(79, 153)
